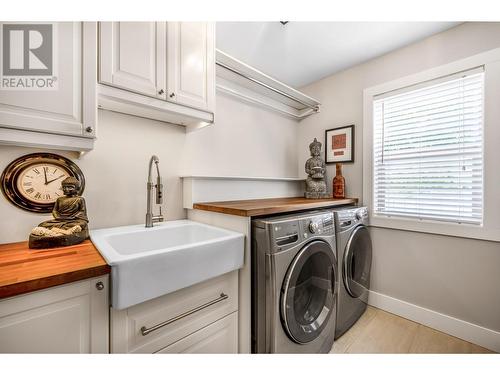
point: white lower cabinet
(218, 337)
(72, 318)
(200, 318)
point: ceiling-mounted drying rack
(247, 83)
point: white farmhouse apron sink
(150, 262)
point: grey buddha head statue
(315, 148)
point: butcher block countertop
(259, 207)
(25, 270)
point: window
(428, 150)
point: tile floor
(378, 331)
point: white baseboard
(478, 335)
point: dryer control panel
(347, 217)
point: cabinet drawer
(220, 337)
(169, 318)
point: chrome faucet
(150, 218)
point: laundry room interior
(249, 187)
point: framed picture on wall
(339, 145)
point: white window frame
(490, 229)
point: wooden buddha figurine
(70, 223)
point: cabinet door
(191, 64)
(72, 318)
(133, 56)
(58, 107)
(220, 337)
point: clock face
(33, 182)
(41, 183)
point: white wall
(455, 276)
(450, 275)
(246, 140)
(115, 173)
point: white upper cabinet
(133, 56)
(191, 64)
(172, 62)
(53, 101)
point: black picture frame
(328, 146)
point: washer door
(357, 262)
(308, 293)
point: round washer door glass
(357, 262)
(308, 293)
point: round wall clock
(33, 182)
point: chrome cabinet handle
(99, 285)
(146, 331)
(89, 129)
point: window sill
(437, 227)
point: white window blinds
(428, 150)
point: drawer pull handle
(146, 331)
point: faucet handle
(159, 191)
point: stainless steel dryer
(354, 251)
(294, 283)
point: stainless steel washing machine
(294, 283)
(354, 251)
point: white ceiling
(300, 53)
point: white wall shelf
(25, 138)
(244, 178)
(225, 188)
(241, 80)
(123, 101)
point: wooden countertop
(25, 270)
(259, 207)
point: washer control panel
(313, 227)
(285, 231)
(318, 225)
